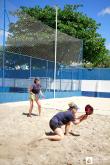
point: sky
(99, 10)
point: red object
(89, 109)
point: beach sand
(22, 143)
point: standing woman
(35, 92)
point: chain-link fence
(27, 50)
(20, 71)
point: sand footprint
(35, 143)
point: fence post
(30, 71)
(71, 79)
(4, 45)
(60, 77)
(47, 75)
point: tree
(70, 21)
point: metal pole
(47, 75)
(4, 45)
(55, 51)
(30, 67)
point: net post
(56, 8)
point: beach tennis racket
(88, 109)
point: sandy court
(21, 140)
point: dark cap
(36, 79)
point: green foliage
(71, 22)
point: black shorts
(54, 124)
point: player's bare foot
(28, 115)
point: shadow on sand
(26, 114)
(74, 134)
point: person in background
(35, 92)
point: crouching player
(67, 118)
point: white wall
(95, 85)
(64, 84)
